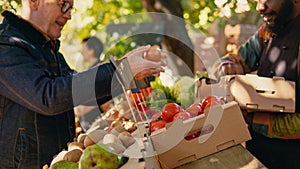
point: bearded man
(272, 51)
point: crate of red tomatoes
(183, 128)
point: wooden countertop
(236, 157)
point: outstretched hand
(141, 67)
(229, 68)
(231, 64)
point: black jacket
(38, 91)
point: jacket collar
(26, 28)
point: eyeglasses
(66, 6)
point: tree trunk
(176, 39)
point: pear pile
(98, 148)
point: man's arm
(245, 60)
(24, 81)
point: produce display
(94, 156)
(181, 92)
(184, 141)
(101, 156)
(103, 145)
(64, 164)
(98, 148)
(172, 111)
(161, 104)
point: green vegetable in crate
(161, 92)
(183, 90)
(160, 96)
(101, 156)
(64, 165)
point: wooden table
(236, 157)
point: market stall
(184, 123)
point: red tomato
(209, 99)
(205, 130)
(213, 103)
(155, 125)
(192, 136)
(182, 115)
(195, 109)
(201, 110)
(169, 110)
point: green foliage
(193, 9)
(200, 13)
(107, 11)
(11, 5)
(93, 16)
(122, 46)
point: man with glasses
(37, 86)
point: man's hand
(231, 64)
(229, 68)
(142, 67)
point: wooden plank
(134, 163)
(233, 157)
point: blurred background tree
(11, 5)
(93, 16)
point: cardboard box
(141, 153)
(185, 141)
(134, 163)
(253, 93)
